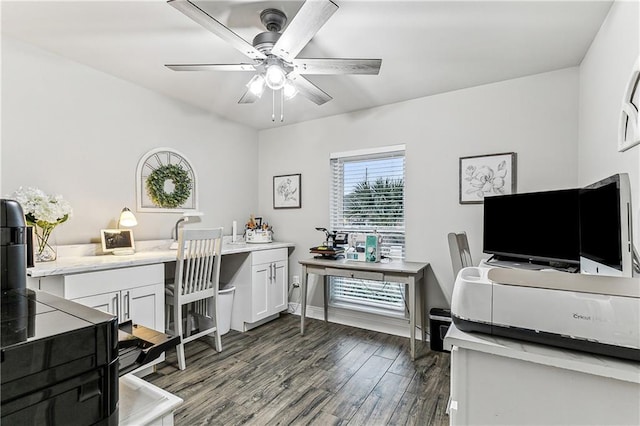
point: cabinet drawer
(267, 256)
(90, 283)
(362, 275)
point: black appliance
(60, 360)
(65, 372)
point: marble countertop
(619, 369)
(86, 258)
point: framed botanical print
(287, 191)
(485, 175)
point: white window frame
(396, 290)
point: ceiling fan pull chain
(273, 106)
(281, 104)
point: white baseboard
(379, 323)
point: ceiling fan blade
(249, 97)
(309, 90)
(310, 18)
(211, 67)
(216, 27)
(337, 66)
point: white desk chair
(196, 283)
(459, 250)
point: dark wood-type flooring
(333, 375)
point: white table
(496, 380)
(409, 273)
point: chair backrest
(459, 250)
(198, 264)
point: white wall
(604, 73)
(71, 130)
(536, 117)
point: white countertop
(83, 258)
(619, 369)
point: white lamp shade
(290, 91)
(256, 85)
(127, 218)
(275, 77)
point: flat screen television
(606, 245)
(538, 227)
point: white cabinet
(137, 304)
(134, 293)
(497, 380)
(261, 293)
(269, 284)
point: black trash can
(439, 320)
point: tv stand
(515, 263)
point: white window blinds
(367, 195)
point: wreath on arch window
(181, 181)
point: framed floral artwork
(486, 175)
(287, 191)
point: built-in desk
(132, 286)
(409, 273)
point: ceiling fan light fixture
(256, 85)
(290, 90)
(275, 77)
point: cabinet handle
(127, 312)
(116, 304)
(273, 271)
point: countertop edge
(81, 264)
(627, 371)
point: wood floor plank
(350, 397)
(331, 375)
(381, 403)
(344, 368)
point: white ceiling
(427, 47)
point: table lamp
(128, 219)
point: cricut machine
(591, 313)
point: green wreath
(181, 181)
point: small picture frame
(287, 191)
(117, 241)
(486, 175)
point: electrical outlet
(296, 281)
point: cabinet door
(144, 306)
(260, 282)
(106, 302)
(278, 288)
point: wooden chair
(459, 250)
(196, 283)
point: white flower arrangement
(44, 212)
(41, 209)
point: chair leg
(177, 326)
(167, 317)
(182, 364)
(214, 318)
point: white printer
(590, 313)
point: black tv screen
(536, 226)
(600, 223)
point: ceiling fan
(273, 53)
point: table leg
(303, 298)
(325, 281)
(412, 316)
(425, 314)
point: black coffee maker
(14, 246)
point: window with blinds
(367, 195)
